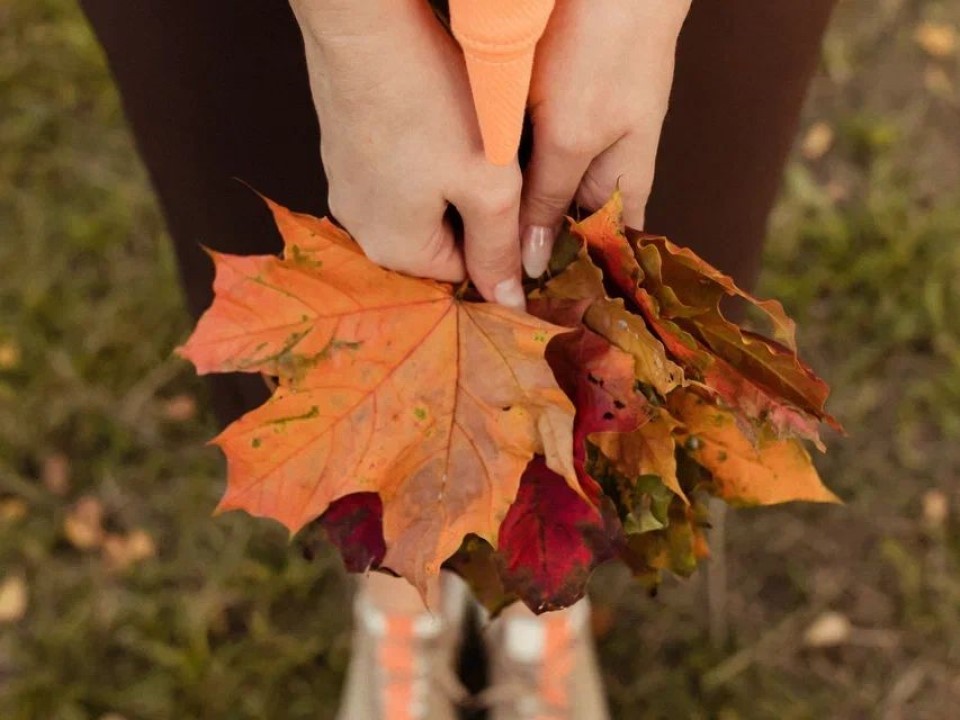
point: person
(691, 110)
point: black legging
(217, 89)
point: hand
(600, 90)
(400, 141)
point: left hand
(599, 95)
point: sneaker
(544, 668)
(402, 666)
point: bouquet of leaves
(418, 428)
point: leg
(216, 91)
(742, 72)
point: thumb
(550, 184)
(492, 243)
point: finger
(550, 184)
(490, 213)
(628, 165)
(409, 237)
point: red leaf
(354, 524)
(599, 379)
(550, 541)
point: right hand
(399, 141)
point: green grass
(228, 621)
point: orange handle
(499, 38)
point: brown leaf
(627, 331)
(688, 286)
(679, 296)
(566, 297)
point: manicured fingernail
(536, 247)
(510, 293)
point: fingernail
(510, 293)
(536, 247)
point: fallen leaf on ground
(12, 509)
(179, 408)
(13, 598)
(938, 40)
(55, 473)
(936, 508)
(830, 629)
(9, 355)
(83, 526)
(123, 551)
(817, 141)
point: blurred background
(122, 599)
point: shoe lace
(407, 673)
(537, 687)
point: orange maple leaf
(747, 469)
(387, 384)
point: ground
(120, 594)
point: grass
(220, 618)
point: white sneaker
(402, 666)
(544, 667)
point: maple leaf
(758, 470)
(412, 429)
(598, 377)
(762, 379)
(690, 291)
(612, 320)
(648, 450)
(387, 384)
(677, 547)
(577, 295)
(688, 286)
(354, 526)
(551, 541)
(481, 567)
